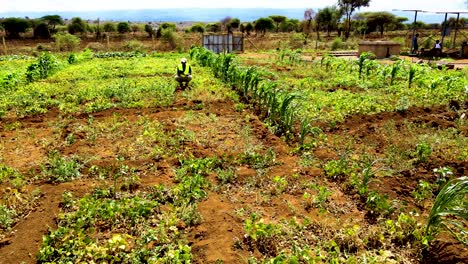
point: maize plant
(412, 73)
(307, 129)
(274, 103)
(395, 68)
(361, 62)
(450, 210)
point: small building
(381, 49)
(223, 42)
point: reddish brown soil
(214, 238)
(25, 240)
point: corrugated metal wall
(223, 43)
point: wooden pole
(4, 45)
(444, 30)
(414, 29)
(107, 37)
(456, 29)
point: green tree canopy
(14, 26)
(149, 30)
(135, 28)
(278, 20)
(290, 25)
(109, 27)
(348, 7)
(166, 26)
(41, 30)
(377, 21)
(246, 28)
(197, 28)
(123, 27)
(52, 21)
(263, 24)
(452, 22)
(77, 25)
(234, 23)
(329, 18)
(213, 27)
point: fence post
(107, 38)
(4, 45)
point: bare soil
(222, 227)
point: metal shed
(223, 42)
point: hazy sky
(82, 5)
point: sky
(87, 5)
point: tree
(149, 29)
(135, 28)
(263, 24)
(225, 23)
(41, 30)
(164, 26)
(278, 20)
(109, 27)
(309, 15)
(77, 25)
(348, 7)
(398, 23)
(197, 28)
(123, 27)
(234, 23)
(98, 29)
(377, 21)
(290, 25)
(14, 26)
(246, 28)
(329, 17)
(417, 24)
(52, 21)
(213, 27)
(452, 22)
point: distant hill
(196, 14)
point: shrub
(296, 41)
(172, 38)
(400, 40)
(123, 27)
(42, 47)
(45, 65)
(66, 41)
(337, 44)
(77, 25)
(134, 45)
(109, 27)
(149, 29)
(198, 28)
(95, 46)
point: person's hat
(183, 60)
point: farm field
(265, 159)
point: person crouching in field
(184, 73)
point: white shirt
(438, 46)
